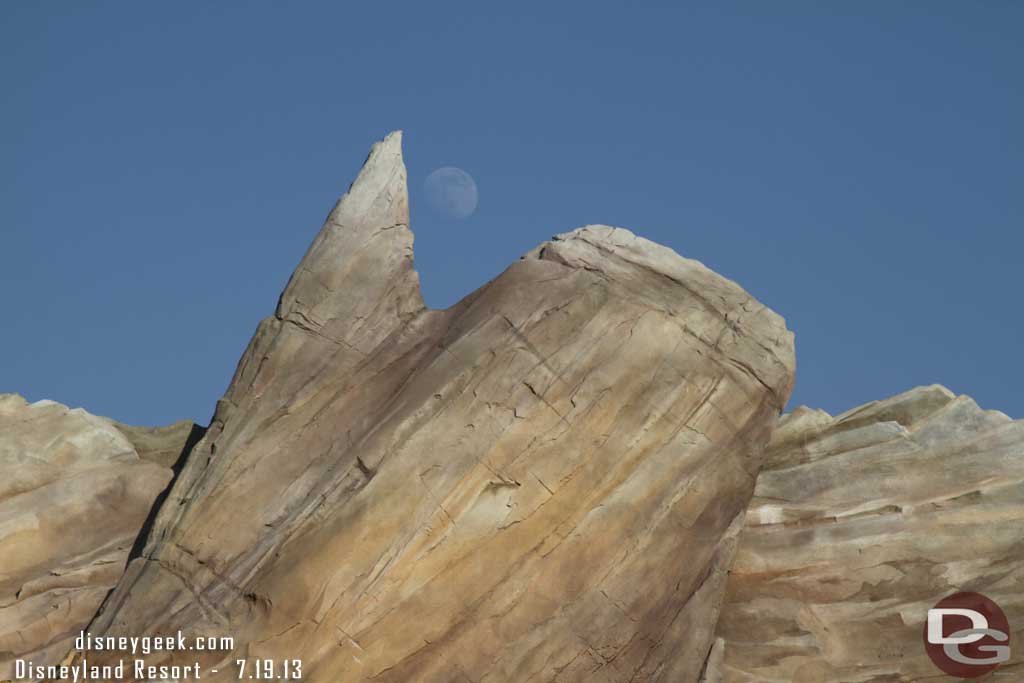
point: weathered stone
(863, 522)
(163, 445)
(545, 481)
(73, 495)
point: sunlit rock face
(861, 523)
(576, 474)
(544, 482)
(74, 494)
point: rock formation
(165, 446)
(544, 482)
(552, 481)
(74, 494)
(859, 525)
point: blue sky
(856, 166)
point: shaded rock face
(164, 446)
(859, 525)
(545, 481)
(73, 495)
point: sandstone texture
(544, 482)
(74, 494)
(860, 524)
(576, 474)
(164, 446)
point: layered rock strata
(860, 524)
(544, 482)
(74, 494)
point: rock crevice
(75, 493)
(542, 481)
(578, 473)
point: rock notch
(543, 482)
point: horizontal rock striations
(544, 482)
(859, 525)
(576, 474)
(74, 494)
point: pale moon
(452, 192)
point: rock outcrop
(860, 524)
(576, 474)
(544, 482)
(74, 494)
(166, 446)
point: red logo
(967, 635)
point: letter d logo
(967, 635)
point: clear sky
(856, 166)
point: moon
(451, 192)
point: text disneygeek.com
(133, 666)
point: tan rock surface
(163, 445)
(543, 482)
(73, 495)
(859, 525)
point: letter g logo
(963, 633)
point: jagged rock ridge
(542, 482)
(74, 494)
(546, 482)
(860, 524)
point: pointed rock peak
(360, 266)
(379, 197)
